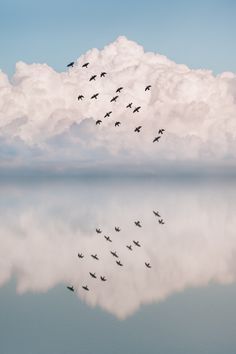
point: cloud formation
(43, 124)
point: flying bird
(98, 231)
(136, 243)
(117, 124)
(129, 105)
(137, 223)
(157, 138)
(114, 254)
(71, 288)
(119, 263)
(93, 275)
(161, 221)
(95, 96)
(161, 131)
(114, 99)
(148, 265)
(103, 278)
(108, 114)
(119, 89)
(129, 247)
(71, 64)
(85, 65)
(80, 255)
(93, 77)
(108, 238)
(138, 129)
(85, 287)
(147, 88)
(117, 229)
(98, 122)
(94, 256)
(103, 74)
(156, 213)
(136, 109)
(80, 97)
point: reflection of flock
(114, 99)
(136, 243)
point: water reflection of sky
(45, 223)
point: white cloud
(39, 111)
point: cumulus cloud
(43, 226)
(42, 123)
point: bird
(114, 254)
(136, 109)
(137, 223)
(117, 229)
(95, 256)
(108, 114)
(98, 122)
(161, 222)
(85, 65)
(129, 247)
(129, 105)
(114, 99)
(80, 255)
(108, 238)
(71, 288)
(98, 231)
(80, 97)
(156, 213)
(117, 124)
(119, 89)
(93, 77)
(119, 263)
(85, 287)
(136, 243)
(93, 275)
(103, 74)
(157, 138)
(95, 96)
(147, 88)
(147, 265)
(71, 64)
(161, 131)
(103, 278)
(138, 129)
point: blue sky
(196, 33)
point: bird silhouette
(161, 221)
(138, 129)
(136, 109)
(117, 229)
(108, 238)
(98, 122)
(161, 131)
(119, 263)
(95, 96)
(114, 99)
(157, 138)
(119, 89)
(80, 97)
(103, 278)
(85, 287)
(70, 64)
(147, 88)
(71, 288)
(108, 114)
(148, 265)
(85, 65)
(156, 213)
(93, 275)
(93, 77)
(136, 243)
(103, 74)
(137, 223)
(98, 231)
(80, 255)
(129, 105)
(129, 247)
(117, 124)
(94, 256)
(114, 254)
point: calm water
(184, 304)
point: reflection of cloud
(44, 226)
(39, 110)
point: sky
(199, 34)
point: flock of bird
(114, 99)
(136, 243)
